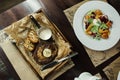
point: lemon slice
(47, 52)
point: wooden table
(54, 10)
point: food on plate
(45, 52)
(33, 36)
(30, 40)
(97, 24)
(28, 45)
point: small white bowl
(44, 33)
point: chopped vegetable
(97, 24)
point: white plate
(103, 44)
(118, 78)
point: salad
(97, 24)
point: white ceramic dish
(78, 26)
(118, 78)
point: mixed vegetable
(97, 24)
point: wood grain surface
(54, 11)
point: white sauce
(45, 34)
(96, 22)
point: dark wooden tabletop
(54, 11)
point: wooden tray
(61, 41)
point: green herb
(90, 12)
(95, 29)
(90, 20)
(98, 36)
(103, 26)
